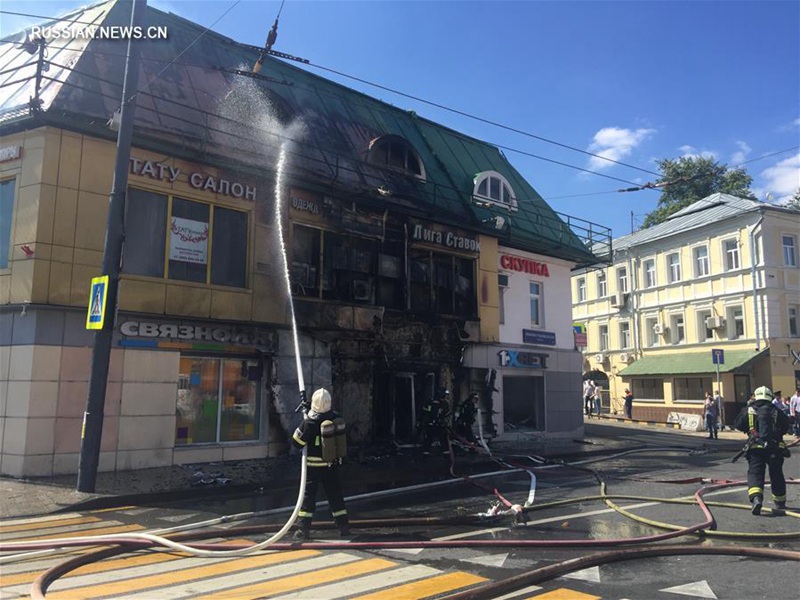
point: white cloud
(782, 179)
(615, 143)
(741, 154)
(692, 152)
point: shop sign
(305, 205)
(188, 241)
(535, 336)
(199, 181)
(523, 360)
(444, 237)
(524, 265)
(246, 336)
(8, 153)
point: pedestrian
(588, 397)
(765, 427)
(628, 403)
(711, 416)
(794, 411)
(597, 398)
(322, 433)
(718, 401)
(465, 419)
(435, 415)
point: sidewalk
(369, 472)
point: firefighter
(465, 419)
(765, 427)
(434, 421)
(322, 432)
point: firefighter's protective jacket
(747, 422)
(308, 434)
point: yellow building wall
(488, 291)
(61, 202)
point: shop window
(218, 400)
(395, 152)
(648, 389)
(493, 187)
(688, 389)
(7, 188)
(200, 242)
(442, 283)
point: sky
(556, 85)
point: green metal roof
(207, 106)
(689, 363)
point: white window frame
(622, 279)
(735, 325)
(701, 265)
(674, 267)
(581, 289)
(789, 250)
(652, 337)
(794, 320)
(506, 196)
(625, 334)
(602, 285)
(677, 328)
(536, 303)
(730, 252)
(704, 334)
(649, 272)
(603, 336)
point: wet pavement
(370, 471)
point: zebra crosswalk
(138, 574)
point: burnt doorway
(523, 403)
(397, 407)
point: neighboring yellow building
(719, 282)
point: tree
(690, 178)
(794, 201)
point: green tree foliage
(794, 201)
(690, 178)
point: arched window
(493, 187)
(395, 152)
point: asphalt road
(650, 483)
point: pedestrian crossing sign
(96, 314)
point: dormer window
(493, 187)
(395, 152)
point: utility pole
(92, 429)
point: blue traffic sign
(718, 356)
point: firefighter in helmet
(320, 426)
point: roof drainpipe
(753, 276)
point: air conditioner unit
(362, 290)
(599, 358)
(618, 300)
(659, 329)
(715, 322)
(626, 357)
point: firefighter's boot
(344, 526)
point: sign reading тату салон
(199, 181)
